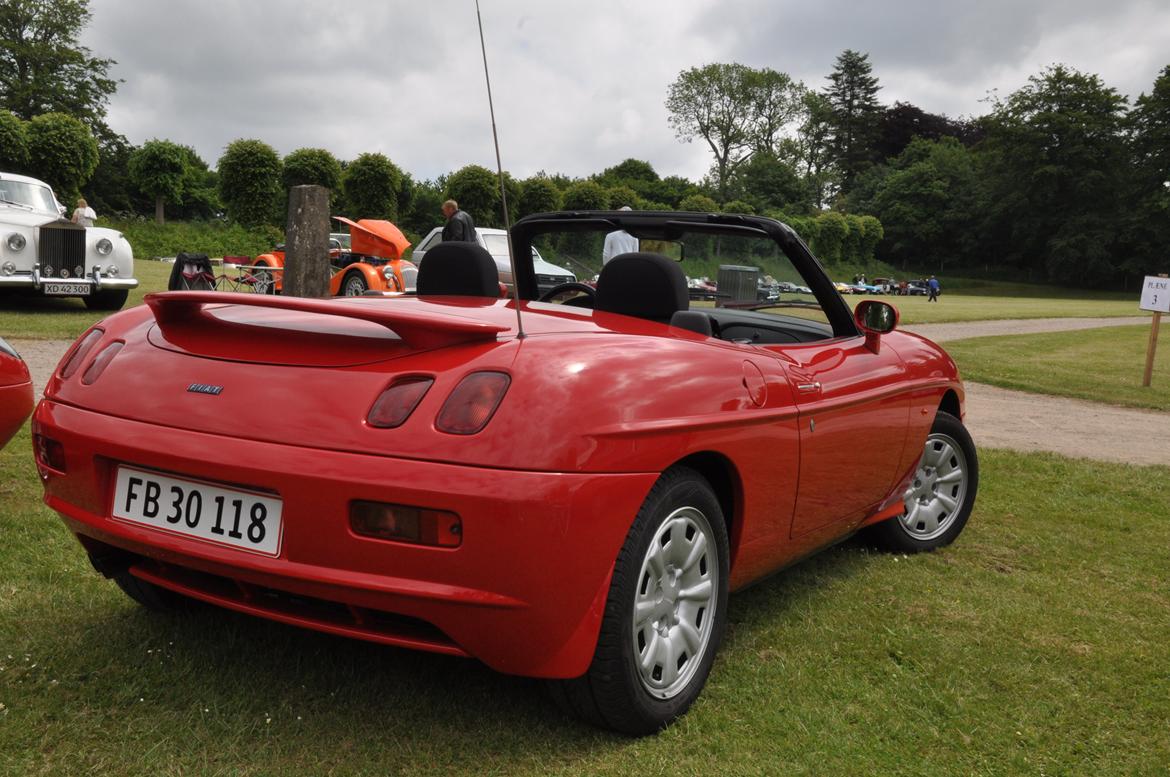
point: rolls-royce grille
(61, 251)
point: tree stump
(306, 248)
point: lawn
(983, 307)
(1103, 365)
(1037, 644)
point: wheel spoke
(947, 501)
(943, 455)
(954, 476)
(697, 593)
(656, 561)
(644, 610)
(650, 655)
(928, 517)
(669, 660)
(690, 636)
(698, 548)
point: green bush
(214, 238)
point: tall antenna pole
(500, 173)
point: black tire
(613, 692)
(153, 597)
(354, 285)
(111, 299)
(906, 533)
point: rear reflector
(472, 403)
(100, 362)
(396, 403)
(416, 525)
(80, 351)
(50, 454)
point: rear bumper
(524, 592)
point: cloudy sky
(578, 86)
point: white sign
(1156, 294)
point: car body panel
(598, 407)
(26, 269)
(16, 393)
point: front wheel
(665, 614)
(940, 497)
(111, 299)
(354, 285)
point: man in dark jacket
(459, 225)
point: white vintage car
(43, 252)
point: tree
(1147, 222)
(698, 203)
(42, 67)
(249, 182)
(371, 183)
(539, 195)
(159, 169)
(1053, 164)
(63, 152)
(902, 122)
(626, 172)
(422, 213)
(586, 195)
(477, 190)
(809, 151)
(307, 166)
(852, 96)
(766, 181)
(737, 110)
(13, 143)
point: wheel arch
(721, 473)
(950, 404)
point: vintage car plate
(225, 516)
(66, 289)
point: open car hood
(375, 237)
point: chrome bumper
(27, 280)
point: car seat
(458, 269)
(642, 285)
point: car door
(853, 416)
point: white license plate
(225, 516)
(66, 289)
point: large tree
(1054, 166)
(13, 143)
(371, 183)
(249, 182)
(159, 170)
(735, 109)
(852, 96)
(63, 152)
(43, 69)
(1147, 223)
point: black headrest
(460, 269)
(643, 285)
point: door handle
(809, 388)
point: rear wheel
(940, 497)
(151, 596)
(110, 299)
(665, 614)
(354, 285)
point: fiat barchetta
(564, 485)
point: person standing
(618, 242)
(459, 226)
(83, 214)
(933, 286)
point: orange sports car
(372, 262)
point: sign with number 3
(1156, 294)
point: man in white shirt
(618, 242)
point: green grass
(963, 307)
(1037, 644)
(1103, 365)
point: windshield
(497, 245)
(33, 196)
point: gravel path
(997, 418)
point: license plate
(61, 288)
(224, 516)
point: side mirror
(875, 319)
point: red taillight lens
(406, 524)
(80, 351)
(397, 402)
(472, 403)
(100, 362)
(49, 453)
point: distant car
(548, 276)
(916, 288)
(16, 393)
(844, 288)
(368, 258)
(869, 288)
(42, 252)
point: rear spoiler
(419, 329)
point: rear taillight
(101, 361)
(472, 403)
(50, 454)
(401, 523)
(80, 351)
(397, 402)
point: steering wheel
(563, 288)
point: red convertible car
(566, 487)
(16, 392)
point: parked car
(368, 258)
(422, 483)
(496, 242)
(42, 252)
(916, 288)
(16, 392)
